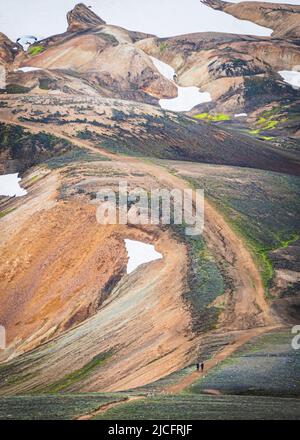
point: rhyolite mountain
(283, 19)
(94, 58)
(81, 111)
(82, 18)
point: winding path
(247, 309)
(248, 297)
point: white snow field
(140, 253)
(291, 77)
(27, 69)
(188, 97)
(26, 41)
(10, 187)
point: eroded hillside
(80, 112)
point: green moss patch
(78, 375)
(28, 148)
(219, 117)
(12, 89)
(163, 46)
(205, 282)
(268, 121)
(262, 207)
(35, 50)
(6, 212)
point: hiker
(202, 367)
(198, 366)
(175, 77)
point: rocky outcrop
(239, 71)
(145, 130)
(8, 50)
(8, 53)
(21, 149)
(92, 58)
(283, 19)
(102, 64)
(81, 17)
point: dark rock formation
(81, 17)
(8, 49)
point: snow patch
(140, 253)
(241, 115)
(28, 69)
(188, 97)
(291, 77)
(10, 187)
(26, 41)
(164, 69)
